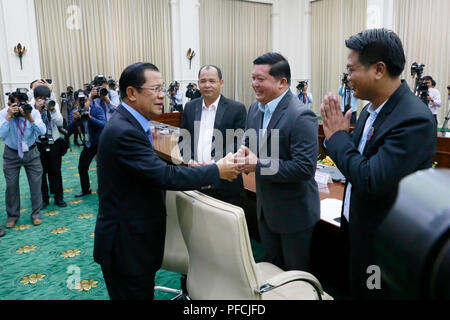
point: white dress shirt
(206, 131)
(56, 121)
(436, 96)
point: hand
(76, 115)
(193, 163)
(106, 99)
(333, 120)
(94, 93)
(228, 168)
(27, 116)
(430, 98)
(13, 109)
(246, 160)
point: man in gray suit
(284, 160)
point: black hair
(12, 97)
(31, 84)
(375, 45)
(427, 78)
(42, 92)
(279, 65)
(209, 66)
(133, 76)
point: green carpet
(35, 262)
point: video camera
(417, 69)
(49, 103)
(112, 84)
(173, 87)
(190, 86)
(21, 95)
(345, 78)
(301, 85)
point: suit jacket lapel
(276, 117)
(220, 112)
(385, 112)
(360, 126)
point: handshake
(233, 164)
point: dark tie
(304, 99)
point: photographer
(305, 97)
(192, 91)
(176, 97)
(433, 97)
(103, 97)
(348, 100)
(20, 125)
(88, 120)
(67, 104)
(51, 146)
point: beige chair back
(221, 260)
(176, 257)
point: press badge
(24, 146)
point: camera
(49, 103)
(84, 114)
(173, 87)
(417, 69)
(89, 88)
(21, 95)
(112, 84)
(190, 86)
(345, 78)
(301, 85)
(102, 92)
(46, 139)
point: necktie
(150, 136)
(304, 98)
(19, 140)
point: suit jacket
(95, 124)
(132, 179)
(230, 114)
(403, 141)
(288, 197)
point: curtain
(112, 34)
(332, 22)
(71, 54)
(232, 34)
(423, 28)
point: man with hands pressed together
(380, 151)
(132, 179)
(286, 193)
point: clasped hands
(233, 164)
(333, 119)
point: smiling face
(147, 102)
(360, 77)
(266, 87)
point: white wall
(18, 25)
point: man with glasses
(200, 118)
(132, 179)
(381, 150)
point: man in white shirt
(434, 97)
(207, 118)
(103, 97)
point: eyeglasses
(350, 69)
(156, 89)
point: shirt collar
(213, 106)
(371, 110)
(145, 124)
(272, 105)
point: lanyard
(22, 132)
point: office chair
(176, 258)
(221, 264)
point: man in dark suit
(88, 120)
(132, 179)
(284, 160)
(394, 137)
(214, 112)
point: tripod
(444, 126)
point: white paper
(323, 178)
(330, 209)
